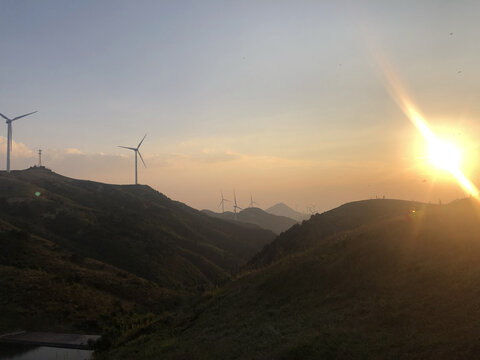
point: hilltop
(346, 217)
(388, 279)
(282, 209)
(256, 216)
(130, 230)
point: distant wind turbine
(252, 203)
(137, 152)
(9, 134)
(235, 206)
(222, 203)
(312, 209)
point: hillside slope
(256, 216)
(393, 288)
(45, 287)
(134, 228)
(346, 217)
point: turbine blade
(141, 141)
(125, 147)
(141, 158)
(227, 200)
(21, 116)
(6, 118)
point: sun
(444, 155)
(441, 154)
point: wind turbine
(252, 202)
(9, 134)
(222, 203)
(137, 152)
(312, 209)
(235, 206)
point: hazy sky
(282, 99)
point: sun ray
(442, 154)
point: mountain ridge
(256, 216)
(132, 229)
(79, 212)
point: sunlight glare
(442, 154)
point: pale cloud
(192, 159)
(19, 150)
(74, 151)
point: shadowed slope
(346, 217)
(131, 227)
(45, 287)
(400, 286)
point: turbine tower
(9, 134)
(235, 206)
(39, 157)
(222, 203)
(137, 152)
(252, 202)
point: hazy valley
(258, 217)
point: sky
(284, 100)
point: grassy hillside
(45, 287)
(131, 227)
(79, 254)
(346, 217)
(256, 216)
(396, 286)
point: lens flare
(440, 153)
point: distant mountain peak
(282, 209)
